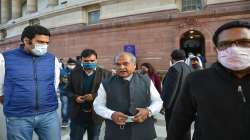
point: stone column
(16, 9)
(5, 12)
(31, 6)
(52, 3)
(1, 35)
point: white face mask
(235, 58)
(71, 67)
(40, 49)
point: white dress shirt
(100, 101)
(2, 73)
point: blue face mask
(89, 65)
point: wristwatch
(149, 113)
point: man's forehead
(89, 57)
(123, 58)
(234, 34)
(41, 36)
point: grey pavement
(159, 126)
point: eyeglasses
(241, 43)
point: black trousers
(168, 113)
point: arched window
(190, 5)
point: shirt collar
(129, 77)
(178, 62)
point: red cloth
(157, 81)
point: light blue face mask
(40, 49)
(89, 65)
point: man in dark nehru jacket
(127, 101)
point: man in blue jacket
(30, 76)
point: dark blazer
(173, 82)
(219, 100)
(75, 89)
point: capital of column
(16, 9)
(52, 3)
(31, 6)
(2, 35)
(5, 12)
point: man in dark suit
(173, 82)
(219, 96)
(84, 82)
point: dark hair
(178, 54)
(71, 60)
(78, 58)
(151, 69)
(31, 31)
(88, 52)
(229, 25)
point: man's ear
(27, 41)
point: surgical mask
(235, 58)
(71, 67)
(40, 49)
(89, 65)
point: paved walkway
(159, 125)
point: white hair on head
(133, 58)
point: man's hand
(141, 115)
(119, 118)
(88, 97)
(80, 99)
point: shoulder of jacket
(145, 78)
(10, 51)
(52, 55)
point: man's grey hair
(133, 58)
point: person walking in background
(148, 69)
(203, 60)
(82, 89)
(221, 101)
(31, 77)
(195, 63)
(127, 101)
(64, 75)
(62, 63)
(188, 59)
(172, 85)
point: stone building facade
(154, 27)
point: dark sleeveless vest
(125, 96)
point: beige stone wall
(71, 17)
(130, 7)
(221, 1)
(15, 30)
